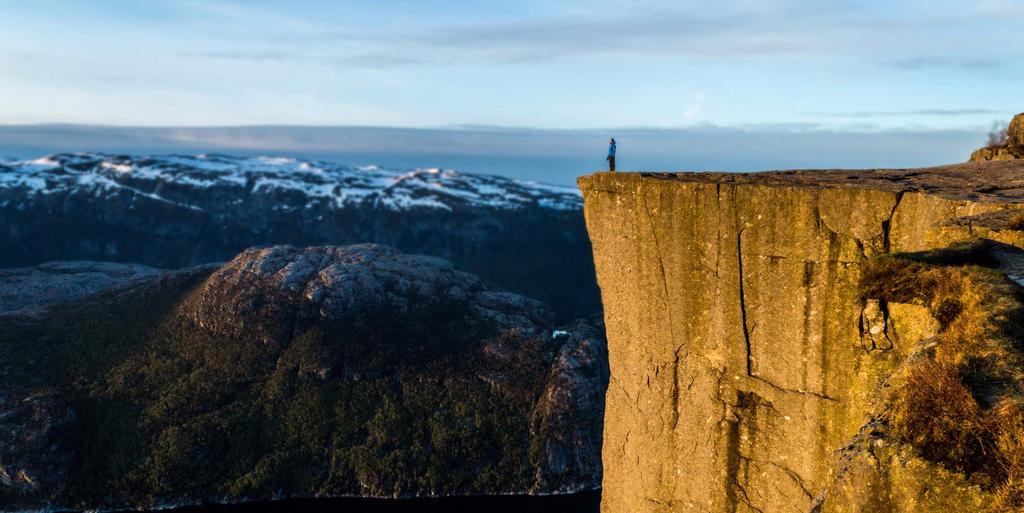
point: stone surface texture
(741, 356)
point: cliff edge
(765, 330)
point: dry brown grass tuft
(1016, 222)
(1010, 497)
(1006, 423)
(936, 413)
(1006, 426)
(945, 290)
(978, 310)
(964, 407)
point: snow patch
(120, 168)
(168, 178)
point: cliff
(754, 367)
(291, 372)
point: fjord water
(584, 502)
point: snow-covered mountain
(166, 177)
(175, 211)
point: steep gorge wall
(741, 355)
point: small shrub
(1010, 496)
(976, 307)
(1006, 424)
(964, 407)
(936, 413)
(1016, 222)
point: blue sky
(837, 65)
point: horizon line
(788, 126)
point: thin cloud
(661, 34)
(694, 107)
(685, 30)
(250, 56)
(902, 113)
(769, 30)
(966, 63)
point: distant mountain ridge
(174, 211)
(335, 184)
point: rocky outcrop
(321, 371)
(742, 354)
(1012, 149)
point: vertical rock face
(1015, 133)
(741, 354)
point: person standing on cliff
(611, 155)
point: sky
(770, 67)
(530, 63)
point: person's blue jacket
(611, 150)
